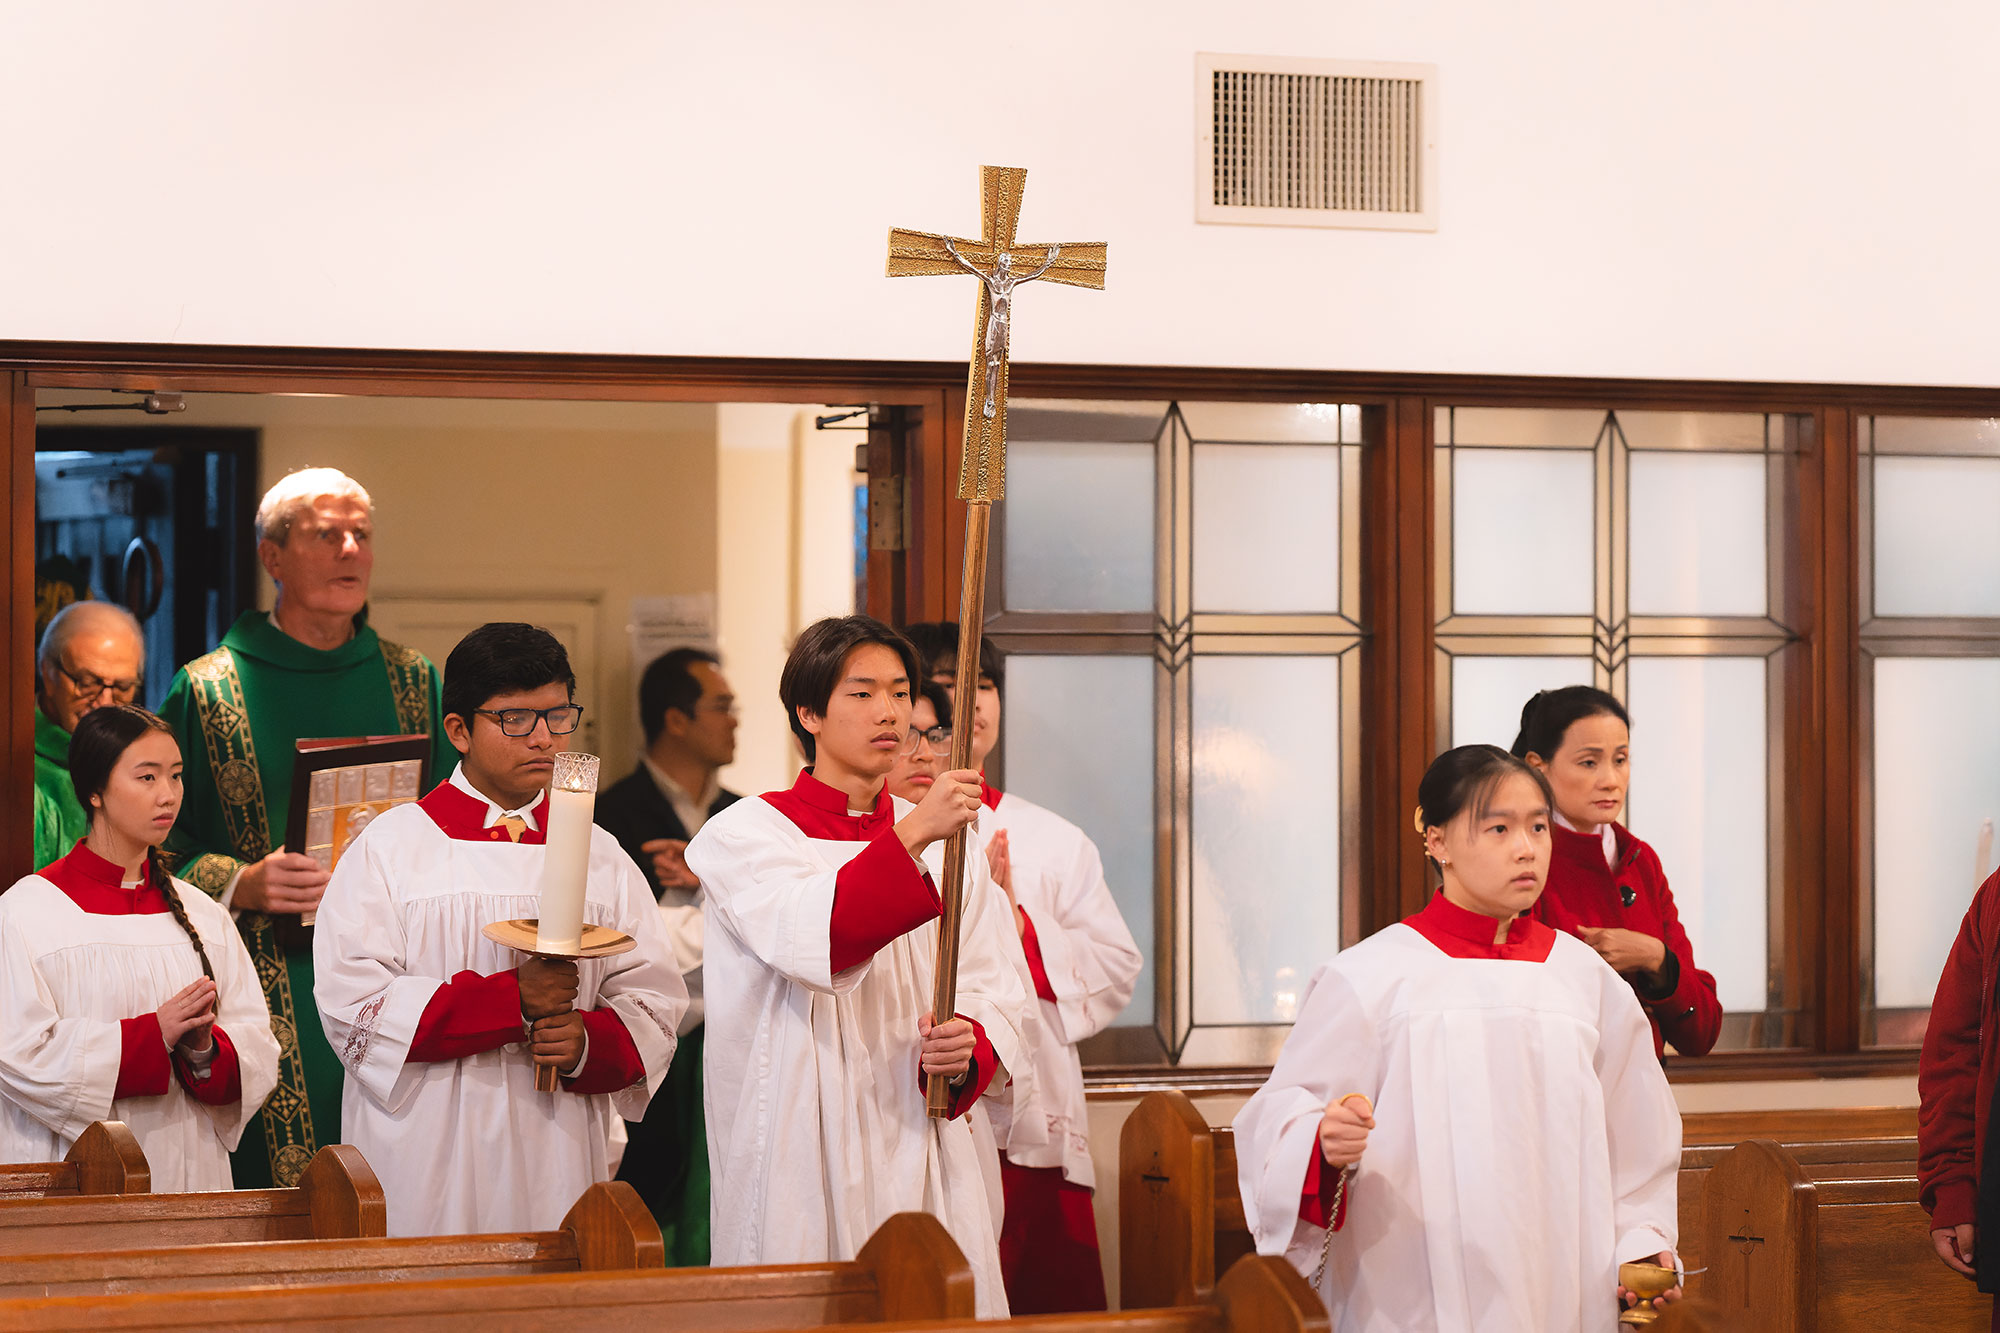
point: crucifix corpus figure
(1000, 285)
(1001, 266)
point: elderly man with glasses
(309, 668)
(92, 654)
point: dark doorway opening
(158, 520)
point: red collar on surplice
(98, 886)
(821, 812)
(463, 817)
(1467, 934)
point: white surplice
(469, 1145)
(817, 1131)
(1092, 964)
(1526, 1141)
(68, 978)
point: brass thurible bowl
(1649, 1281)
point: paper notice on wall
(661, 624)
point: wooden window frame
(1824, 843)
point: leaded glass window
(1930, 701)
(1178, 602)
(1644, 553)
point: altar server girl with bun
(1466, 1130)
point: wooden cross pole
(1001, 266)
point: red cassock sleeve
(877, 896)
(224, 1084)
(144, 1069)
(1032, 946)
(469, 1014)
(985, 1060)
(1322, 1182)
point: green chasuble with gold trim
(239, 712)
(59, 820)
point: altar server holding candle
(441, 1029)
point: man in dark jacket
(689, 716)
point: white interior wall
(1712, 189)
(784, 558)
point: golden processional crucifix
(1001, 266)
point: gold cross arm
(922, 254)
(1001, 264)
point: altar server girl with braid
(128, 994)
(1466, 1131)
(1607, 887)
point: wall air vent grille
(1315, 143)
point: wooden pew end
(1696, 1316)
(920, 1273)
(109, 1160)
(1166, 1204)
(343, 1195)
(1263, 1291)
(614, 1229)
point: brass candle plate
(598, 941)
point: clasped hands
(548, 1005)
(187, 1018)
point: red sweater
(1960, 1062)
(1584, 891)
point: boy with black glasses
(440, 1029)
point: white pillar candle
(566, 857)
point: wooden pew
(1800, 1247)
(105, 1159)
(1258, 1295)
(608, 1229)
(1819, 1136)
(1820, 1124)
(338, 1195)
(1180, 1213)
(909, 1270)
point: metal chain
(1332, 1216)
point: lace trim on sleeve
(361, 1033)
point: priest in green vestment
(310, 668)
(91, 654)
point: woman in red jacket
(1605, 886)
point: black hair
(101, 738)
(670, 683)
(939, 699)
(813, 669)
(505, 657)
(1547, 718)
(1466, 778)
(936, 642)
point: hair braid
(159, 880)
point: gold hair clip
(1419, 821)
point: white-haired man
(310, 667)
(92, 654)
